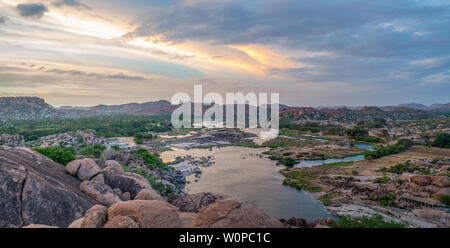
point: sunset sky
(314, 53)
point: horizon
(336, 53)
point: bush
(287, 161)
(445, 199)
(58, 154)
(93, 151)
(442, 141)
(375, 221)
(151, 160)
(382, 151)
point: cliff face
(36, 190)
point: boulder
(39, 226)
(88, 169)
(99, 178)
(128, 182)
(187, 219)
(434, 215)
(72, 167)
(34, 189)
(102, 193)
(421, 180)
(148, 214)
(231, 213)
(296, 222)
(148, 194)
(95, 217)
(112, 166)
(440, 181)
(76, 223)
(328, 222)
(126, 196)
(121, 222)
(442, 191)
(195, 202)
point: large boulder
(39, 226)
(187, 219)
(85, 169)
(34, 189)
(148, 214)
(112, 166)
(421, 180)
(440, 181)
(76, 223)
(195, 202)
(121, 222)
(95, 217)
(100, 192)
(434, 215)
(88, 170)
(231, 213)
(128, 182)
(149, 194)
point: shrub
(93, 151)
(58, 154)
(445, 199)
(442, 141)
(151, 160)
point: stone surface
(39, 226)
(128, 182)
(433, 215)
(95, 217)
(76, 223)
(126, 196)
(34, 189)
(148, 214)
(231, 213)
(440, 181)
(99, 178)
(148, 194)
(88, 169)
(187, 219)
(102, 193)
(195, 202)
(112, 166)
(72, 167)
(421, 180)
(121, 222)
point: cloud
(121, 76)
(71, 3)
(36, 10)
(3, 19)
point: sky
(314, 53)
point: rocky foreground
(37, 192)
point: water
(240, 173)
(311, 163)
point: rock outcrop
(231, 213)
(86, 170)
(36, 190)
(195, 202)
(100, 192)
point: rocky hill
(26, 108)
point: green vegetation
(115, 147)
(139, 138)
(92, 151)
(107, 126)
(445, 199)
(326, 199)
(342, 163)
(375, 221)
(60, 155)
(382, 151)
(308, 127)
(300, 180)
(382, 180)
(287, 161)
(151, 160)
(361, 134)
(387, 199)
(442, 141)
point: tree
(442, 141)
(58, 154)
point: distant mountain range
(27, 108)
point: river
(243, 173)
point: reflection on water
(311, 163)
(240, 173)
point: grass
(300, 180)
(343, 163)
